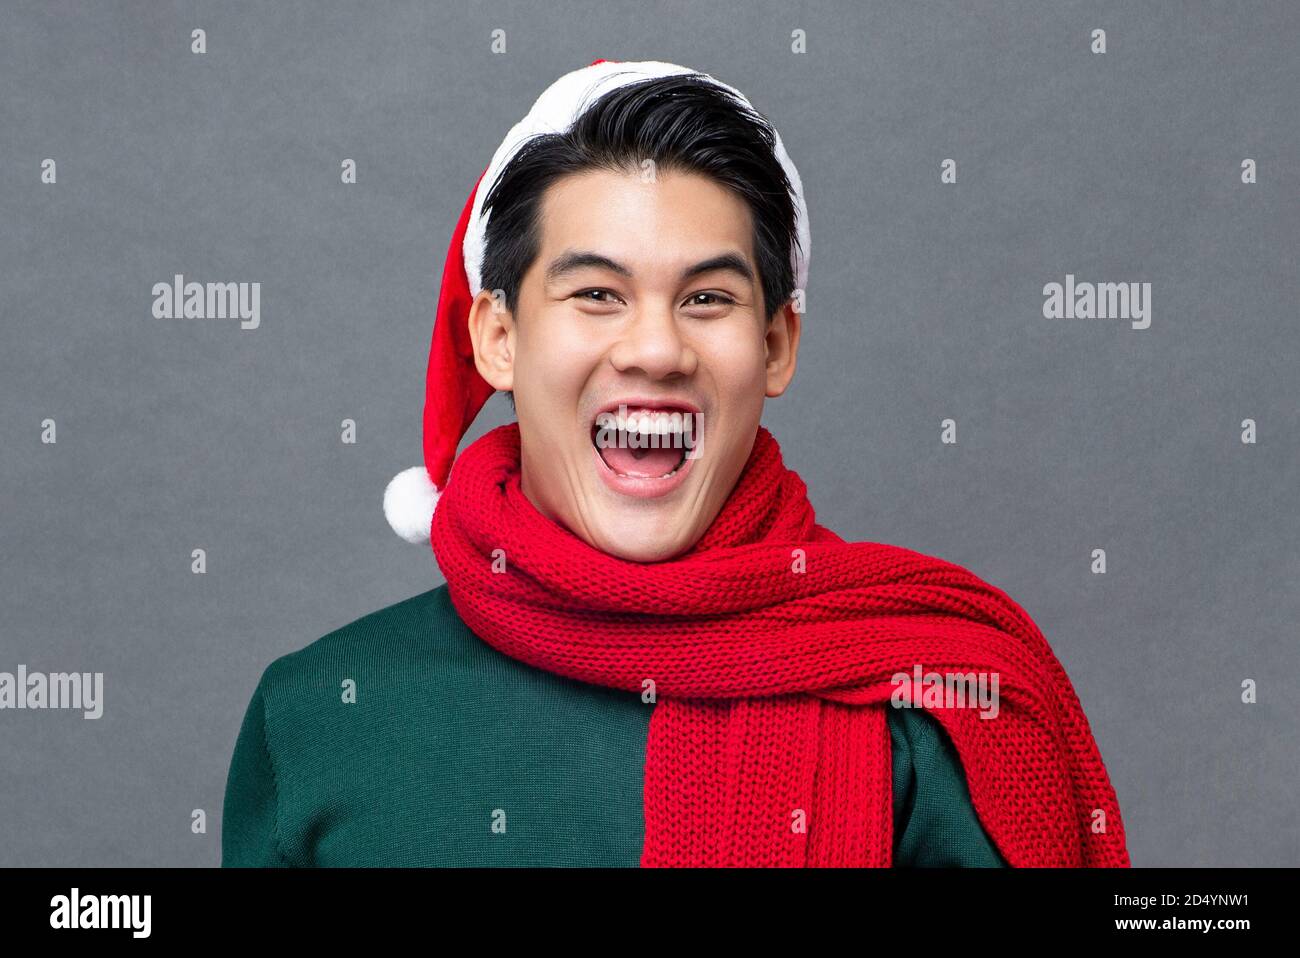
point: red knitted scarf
(772, 646)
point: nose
(653, 343)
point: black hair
(683, 122)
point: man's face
(615, 310)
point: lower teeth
(664, 476)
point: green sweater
(454, 754)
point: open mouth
(637, 462)
(643, 443)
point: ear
(492, 331)
(782, 348)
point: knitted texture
(768, 745)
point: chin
(636, 544)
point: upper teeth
(644, 422)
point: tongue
(641, 463)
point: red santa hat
(454, 389)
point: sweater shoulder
(387, 638)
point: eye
(585, 295)
(721, 298)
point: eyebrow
(573, 260)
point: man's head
(642, 258)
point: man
(647, 651)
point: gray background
(924, 303)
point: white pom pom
(409, 502)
